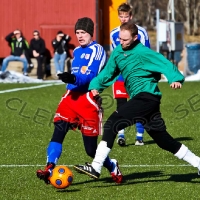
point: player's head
(128, 34)
(124, 12)
(84, 30)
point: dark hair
(60, 32)
(130, 26)
(36, 31)
(125, 7)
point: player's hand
(66, 77)
(95, 92)
(98, 100)
(176, 85)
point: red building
(50, 16)
(47, 16)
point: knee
(5, 60)
(60, 130)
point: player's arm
(158, 63)
(106, 77)
(85, 74)
(95, 65)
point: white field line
(29, 88)
(123, 166)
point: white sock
(100, 156)
(185, 154)
(121, 132)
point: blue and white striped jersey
(87, 63)
(142, 36)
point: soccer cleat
(139, 142)
(121, 141)
(116, 173)
(44, 174)
(87, 169)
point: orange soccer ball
(61, 177)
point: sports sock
(108, 164)
(185, 154)
(139, 136)
(121, 134)
(140, 131)
(54, 151)
(101, 154)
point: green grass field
(149, 172)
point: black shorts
(143, 108)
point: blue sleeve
(95, 64)
(114, 37)
(143, 37)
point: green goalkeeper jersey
(141, 69)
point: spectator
(60, 45)
(37, 51)
(19, 47)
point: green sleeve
(107, 76)
(156, 62)
(26, 44)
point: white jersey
(142, 36)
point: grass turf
(149, 172)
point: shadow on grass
(67, 190)
(152, 141)
(138, 178)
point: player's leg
(90, 144)
(121, 136)
(61, 127)
(139, 135)
(91, 128)
(54, 149)
(120, 94)
(157, 130)
(126, 116)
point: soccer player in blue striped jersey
(119, 91)
(78, 108)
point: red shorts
(119, 91)
(81, 110)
